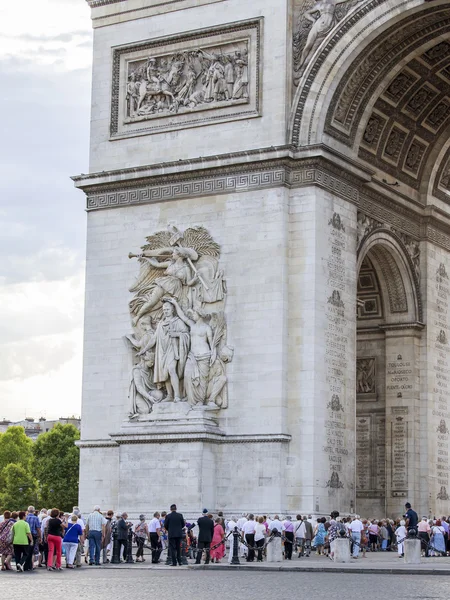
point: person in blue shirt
(74, 534)
(411, 517)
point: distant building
(42, 425)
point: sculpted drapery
(177, 314)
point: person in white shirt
(260, 534)
(240, 525)
(248, 533)
(356, 527)
(276, 524)
(401, 534)
(299, 534)
(154, 529)
(230, 527)
(45, 520)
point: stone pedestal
(341, 550)
(274, 551)
(412, 552)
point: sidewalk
(379, 562)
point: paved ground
(188, 584)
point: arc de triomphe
(278, 339)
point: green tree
(56, 465)
(15, 448)
(19, 489)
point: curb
(351, 570)
(286, 569)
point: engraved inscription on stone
(363, 479)
(441, 388)
(398, 379)
(336, 341)
(380, 453)
(399, 445)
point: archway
(377, 89)
(387, 375)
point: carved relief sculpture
(365, 376)
(316, 18)
(179, 325)
(187, 81)
(365, 226)
(208, 75)
(413, 248)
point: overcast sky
(45, 64)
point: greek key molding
(97, 3)
(177, 190)
(213, 438)
(260, 174)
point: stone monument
(267, 283)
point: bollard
(341, 550)
(183, 552)
(130, 546)
(274, 548)
(115, 559)
(235, 559)
(413, 552)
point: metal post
(130, 546)
(169, 556)
(115, 559)
(235, 558)
(183, 552)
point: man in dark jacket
(122, 534)
(174, 525)
(205, 535)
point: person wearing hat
(411, 518)
(141, 533)
(205, 535)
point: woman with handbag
(6, 547)
(55, 529)
(141, 535)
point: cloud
(60, 37)
(54, 393)
(36, 357)
(45, 69)
(45, 140)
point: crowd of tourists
(40, 539)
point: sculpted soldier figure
(172, 348)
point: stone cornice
(414, 328)
(96, 3)
(150, 437)
(282, 166)
(96, 444)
